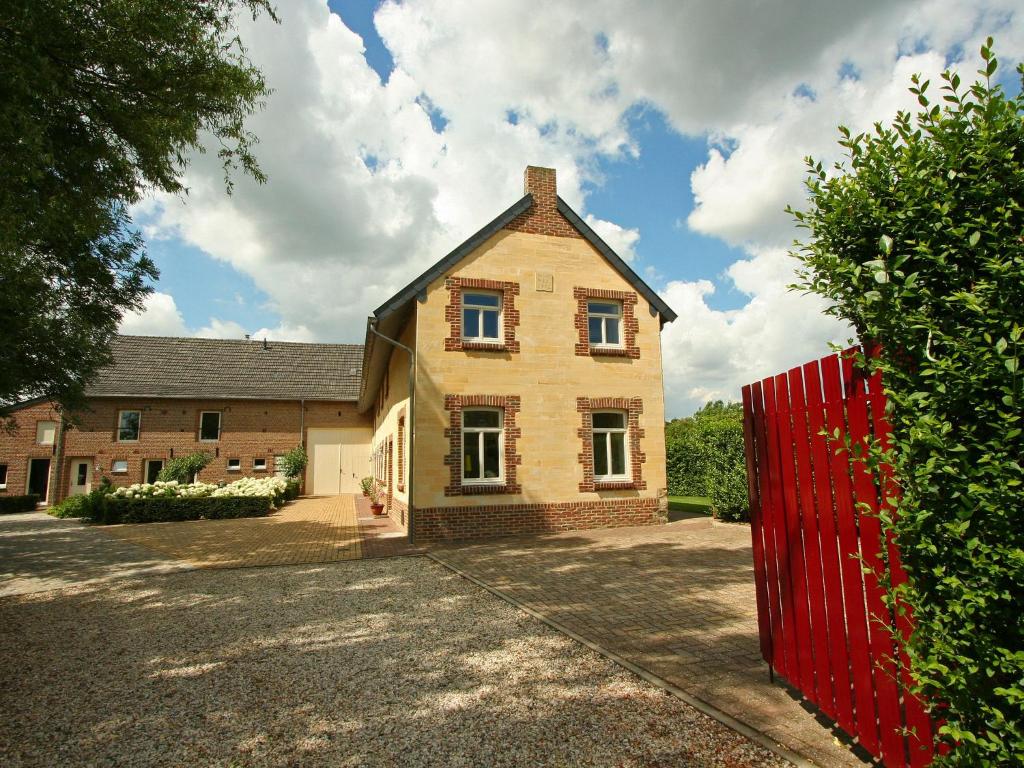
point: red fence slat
(754, 497)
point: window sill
(234, 469)
(610, 351)
(476, 489)
(484, 346)
(614, 485)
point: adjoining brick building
(514, 387)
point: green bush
(291, 491)
(11, 504)
(72, 506)
(112, 511)
(917, 243)
(185, 468)
(705, 457)
(294, 462)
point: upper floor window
(604, 323)
(482, 446)
(128, 423)
(609, 445)
(481, 316)
(209, 426)
(46, 432)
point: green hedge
(705, 457)
(111, 511)
(291, 492)
(11, 504)
(72, 506)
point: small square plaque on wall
(545, 282)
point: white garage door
(338, 458)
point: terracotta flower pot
(378, 509)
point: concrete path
(676, 600)
(40, 553)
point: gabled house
(514, 387)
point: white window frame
(279, 464)
(113, 467)
(605, 317)
(481, 339)
(39, 427)
(234, 465)
(220, 427)
(138, 431)
(257, 467)
(605, 433)
(478, 431)
(3, 479)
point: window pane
(471, 456)
(128, 428)
(209, 428)
(600, 454)
(611, 331)
(595, 330)
(491, 466)
(490, 325)
(609, 420)
(3, 474)
(471, 322)
(618, 453)
(482, 299)
(596, 307)
(481, 419)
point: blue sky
(396, 130)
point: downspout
(302, 436)
(412, 424)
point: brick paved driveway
(309, 530)
(677, 600)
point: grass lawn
(700, 505)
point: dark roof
(163, 366)
(523, 204)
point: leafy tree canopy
(918, 240)
(102, 101)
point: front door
(336, 459)
(80, 481)
(39, 477)
(153, 467)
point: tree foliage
(100, 102)
(706, 458)
(918, 240)
(294, 462)
(185, 468)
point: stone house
(514, 387)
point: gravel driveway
(381, 662)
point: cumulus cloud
(159, 316)
(371, 182)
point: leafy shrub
(918, 244)
(72, 506)
(113, 510)
(705, 457)
(11, 504)
(184, 469)
(294, 462)
(291, 490)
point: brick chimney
(540, 182)
(543, 217)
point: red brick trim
(630, 325)
(509, 314)
(480, 522)
(633, 408)
(401, 451)
(510, 406)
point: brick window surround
(455, 404)
(509, 314)
(630, 325)
(633, 408)
(401, 450)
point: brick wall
(543, 217)
(455, 523)
(18, 446)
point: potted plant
(374, 494)
(365, 484)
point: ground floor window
(609, 435)
(119, 466)
(482, 445)
(259, 465)
(153, 468)
(234, 465)
(3, 477)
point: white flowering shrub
(273, 487)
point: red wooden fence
(821, 559)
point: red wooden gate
(821, 559)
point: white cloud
(364, 193)
(159, 317)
